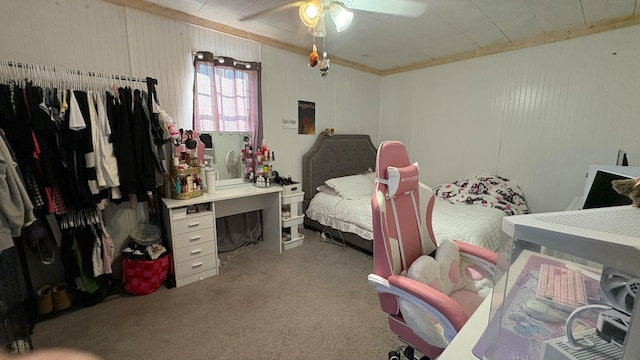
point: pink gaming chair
(400, 237)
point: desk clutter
(258, 167)
(184, 183)
(185, 179)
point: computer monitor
(601, 192)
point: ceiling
(448, 30)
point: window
(226, 94)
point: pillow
(353, 186)
(402, 179)
(324, 188)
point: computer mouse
(543, 312)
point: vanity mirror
(223, 152)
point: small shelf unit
(291, 220)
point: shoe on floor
(45, 300)
(61, 296)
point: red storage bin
(142, 277)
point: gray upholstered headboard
(335, 156)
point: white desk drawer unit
(193, 222)
(194, 244)
(192, 252)
(192, 226)
(191, 238)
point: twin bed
(470, 210)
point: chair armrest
(432, 301)
(485, 258)
(436, 299)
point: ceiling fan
(312, 12)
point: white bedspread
(476, 224)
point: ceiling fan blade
(272, 9)
(408, 8)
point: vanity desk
(192, 236)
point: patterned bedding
(490, 191)
(470, 210)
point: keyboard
(561, 288)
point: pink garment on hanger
(199, 147)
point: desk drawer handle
(194, 224)
(198, 264)
(196, 251)
(193, 238)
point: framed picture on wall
(306, 117)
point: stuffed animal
(453, 276)
(629, 188)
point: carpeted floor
(311, 302)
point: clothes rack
(31, 95)
(37, 67)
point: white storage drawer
(294, 220)
(192, 266)
(193, 238)
(196, 277)
(192, 223)
(290, 199)
(192, 252)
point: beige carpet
(311, 302)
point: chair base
(407, 336)
(408, 352)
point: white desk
(242, 199)
(462, 345)
(193, 237)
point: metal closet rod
(23, 65)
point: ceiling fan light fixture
(340, 16)
(310, 12)
(319, 30)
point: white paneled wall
(162, 48)
(347, 100)
(88, 35)
(539, 115)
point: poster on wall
(289, 124)
(306, 117)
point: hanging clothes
(77, 149)
(16, 209)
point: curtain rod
(23, 65)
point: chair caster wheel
(409, 352)
(393, 355)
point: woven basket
(175, 171)
(146, 234)
(185, 196)
(144, 277)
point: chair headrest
(402, 179)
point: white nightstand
(292, 221)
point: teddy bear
(629, 188)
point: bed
(457, 215)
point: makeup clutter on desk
(258, 164)
(258, 167)
(185, 180)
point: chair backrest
(401, 209)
